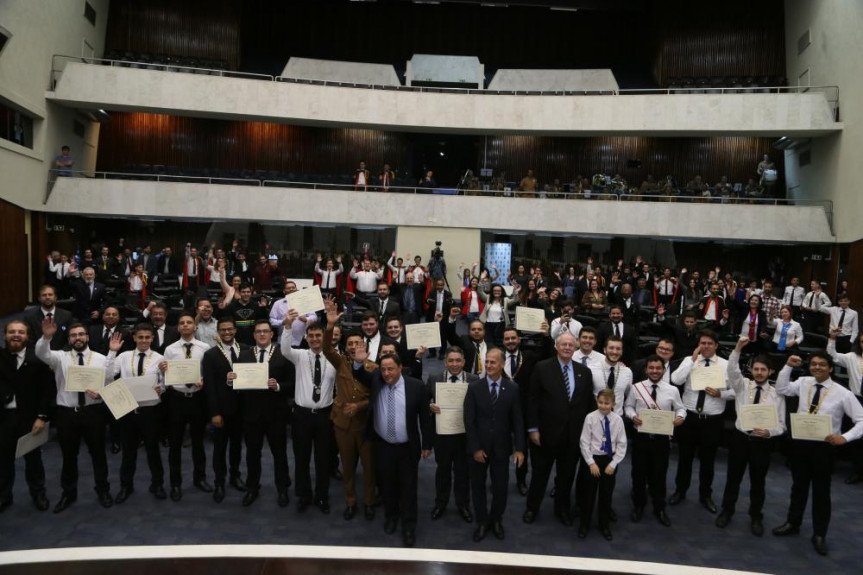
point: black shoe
(349, 513)
(820, 544)
(5, 504)
(176, 493)
(854, 478)
(786, 529)
(219, 493)
(238, 483)
(409, 537)
(663, 518)
(303, 504)
(369, 512)
(637, 514)
(123, 495)
(528, 517)
(115, 448)
(480, 532)
(757, 527)
(465, 514)
(250, 497)
(676, 498)
(497, 529)
(437, 512)
(390, 526)
(606, 532)
(283, 498)
(323, 505)
(564, 517)
(522, 489)
(64, 503)
(202, 485)
(41, 502)
(612, 516)
(158, 492)
(105, 499)
(336, 474)
(723, 520)
(582, 531)
(707, 503)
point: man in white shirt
(613, 375)
(793, 296)
(585, 354)
(206, 329)
(565, 323)
(811, 308)
(366, 280)
(329, 274)
(280, 311)
(845, 320)
(80, 415)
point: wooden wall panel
(13, 254)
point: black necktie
(610, 382)
(316, 394)
(653, 393)
(233, 355)
(813, 407)
(513, 364)
(141, 357)
(107, 334)
(383, 306)
(757, 395)
(616, 330)
(261, 355)
(453, 378)
(702, 395)
(49, 315)
(188, 347)
(841, 318)
(82, 397)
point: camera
(438, 243)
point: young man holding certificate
(142, 424)
(813, 449)
(653, 442)
(760, 417)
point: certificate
(119, 399)
(450, 398)
(183, 371)
(306, 301)
(251, 375)
(656, 421)
(143, 388)
(761, 416)
(704, 377)
(29, 442)
(82, 378)
(423, 334)
(811, 427)
(529, 318)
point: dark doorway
(449, 156)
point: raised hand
(115, 344)
(49, 328)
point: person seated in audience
(428, 180)
(752, 189)
(527, 186)
(649, 186)
(724, 188)
(697, 187)
(361, 178)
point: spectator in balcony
(386, 177)
(767, 173)
(361, 178)
(527, 186)
(724, 188)
(698, 187)
(648, 187)
(554, 190)
(64, 162)
(428, 180)
(752, 189)
(669, 193)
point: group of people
(346, 383)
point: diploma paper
(183, 371)
(811, 427)
(119, 399)
(82, 378)
(704, 377)
(761, 416)
(306, 301)
(143, 387)
(656, 421)
(251, 375)
(29, 442)
(450, 398)
(529, 318)
(423, 335)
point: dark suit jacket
(684, 342)
(449, 335)
(431, 388)
(494, 428)
(151, 267)
(638, 368)
(221, 398)
(84, 304)
(417, 414)
(559, 420)
(431, 304)
(411, 364)
(173, 264)
(32, 386)
(630, 341)
(267, 405)
(374, 304)
(419, 296)
(171, 335)
(34, 317)
(100, 344)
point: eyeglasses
(227, 329)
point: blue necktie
(566, 381)
(493, 392)
(606, 438)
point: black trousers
(87, 423)
(276, 432)
(13, 426)
(811, 465)
(843, 344)
(498, 468)
(143, 424)
(604, 485)
(752, 451)
(396, 467)
(649, 470)
(227, 439)
(701, 435)
(544, 457)
(312, 432)
(521, 472)
(183, 411)
(450, 452)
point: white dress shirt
(744, 394)
(126, 365)
(794, 334)
(207, 331)
(329, 278)
(177, 350)
(622, 382)
(304, 366)
(557, 328)
(366, 281)
(814, 300)
(793, 295)
(59, 362)
(667, 398)
(850, 325)
(852, 362)
(594, 358)
(681, 376)
(593, 437)
(836, 401)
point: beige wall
(833, 57)
(460, 245)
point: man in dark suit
(493, 422)
(616, 326)
(411, 299)
(165, 335)
(684, 333)
(149, 261)
(439, 300)
(89, 296)
(223, 405)
(264, 413)
(382, 304)
(26, 395)
(627, 303)
(473, 344)
(47, 308)
(560, 397)
(167, 264)
(665, 350)
(400, 425)
(100, 335)
(450, 451)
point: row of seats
(157, 61)
(716, 83)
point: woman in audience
(471, 304)
(788, 335)
(595, 300)
(495, 313)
